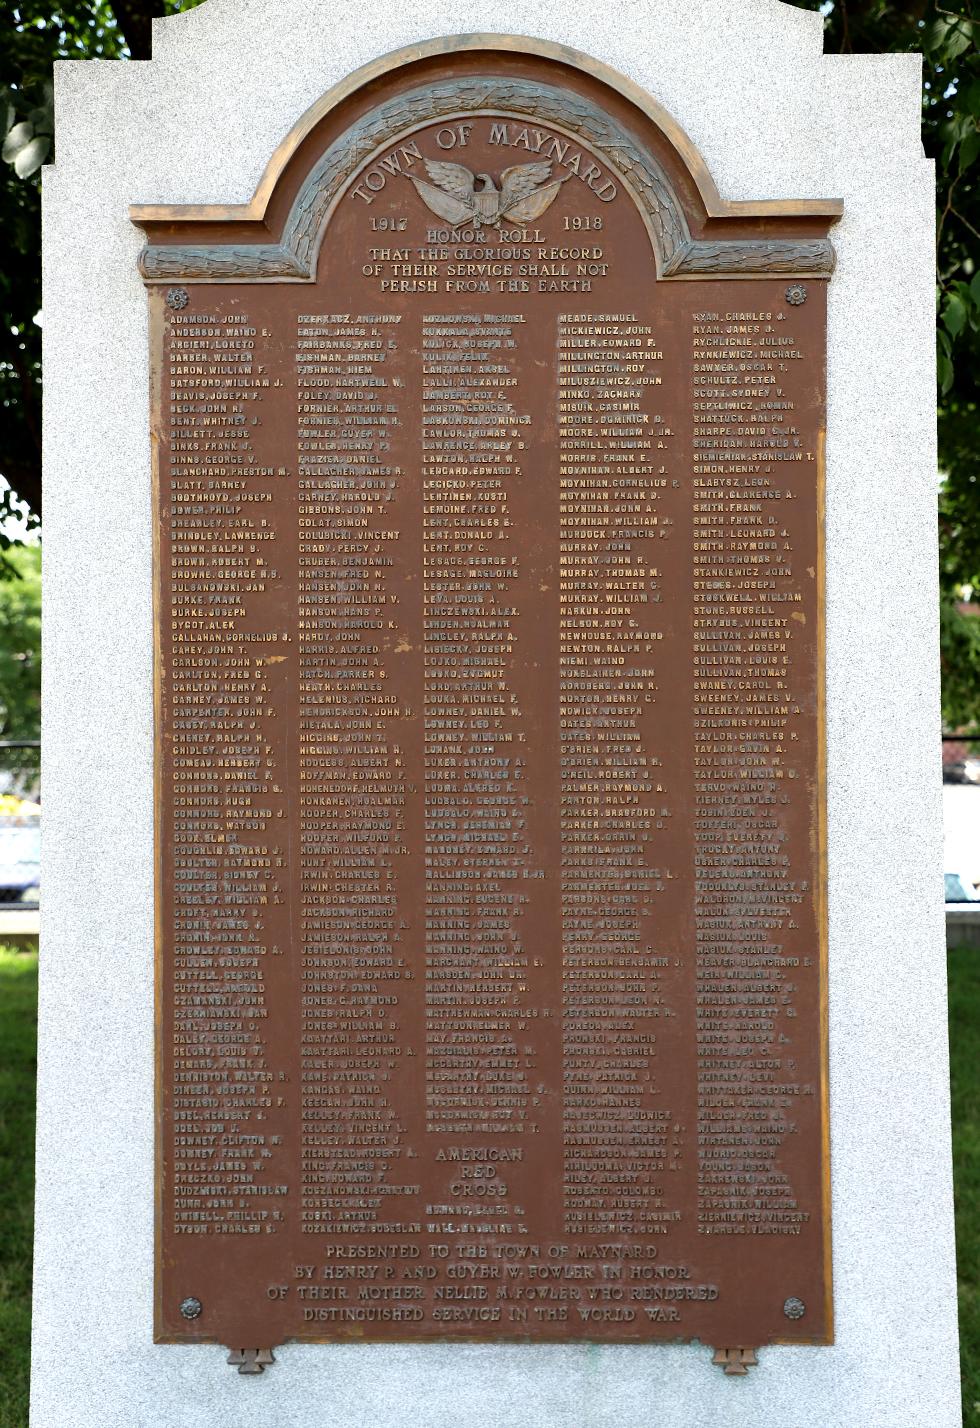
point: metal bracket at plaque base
(251, 1360)
(733, 1361)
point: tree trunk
(133, 18)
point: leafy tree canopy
(947, 37)
(20, 646)
(36, 33)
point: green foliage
(947, 37)
(951, 135)
(20, 645)
(959, 636)
(34, 37)
(35, 33)
(964, 1055)
(18, 1067)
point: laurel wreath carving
(676, 252)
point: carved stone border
(676, 253)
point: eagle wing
(452, 191)
(454, 178)
(526, 210)
(520, 181)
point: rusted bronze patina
(491, 941)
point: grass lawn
(18, 1044)
(964, 1035)
(18, 1035)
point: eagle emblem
(525, 191)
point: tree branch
(942, 219)
(845, 38)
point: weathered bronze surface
(491, 945)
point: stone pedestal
(773, 117)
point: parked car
(960, 889)
(20, 858)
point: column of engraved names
(746, 591)
(223, 781)
(614, 501)
(476, 797)
(352, 789)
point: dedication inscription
(490, 931)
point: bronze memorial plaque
(490, 888)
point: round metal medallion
(794, 1308)
(176, 298)
(796, 294)
(191, 1308)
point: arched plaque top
(693, 232)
